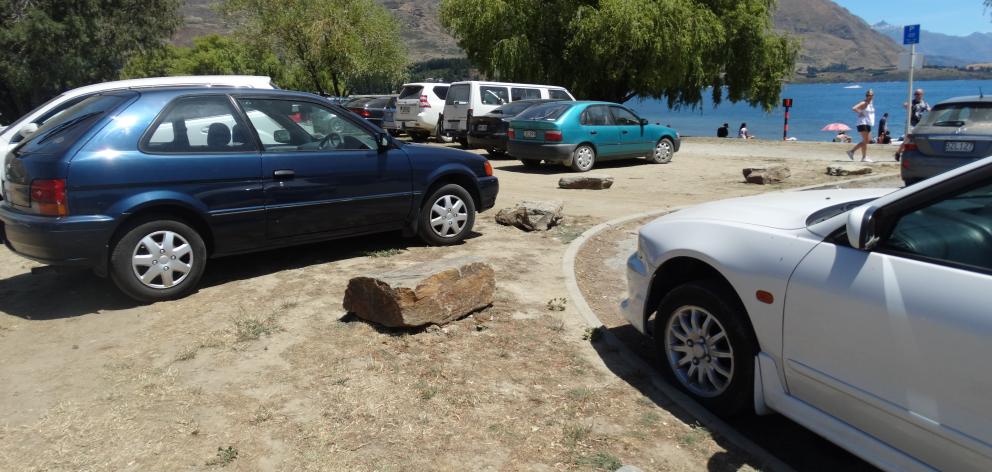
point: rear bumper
(540, 151)
(488, 190)
(496, 141)
(73, 240)
(918, 166)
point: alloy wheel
(663, 151)
(698, 351)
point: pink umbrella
(836, 127)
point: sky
(954, 17)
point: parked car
(389, 117)
(418, 107)
(372, 108)
(474, 98)
(579, 134)
(31, 121)
(955, 132)
(862, 314)
(489, 131)
(144, 185)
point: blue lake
(814, 106)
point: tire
(583, 158)
(691, 305)
(443, 221)
(663, 152)
(127, 264)
(532, 163)
(463, 142)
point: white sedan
(864, 315)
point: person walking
(723, 131)
(917, 108)
(866, 116)
(882, 126)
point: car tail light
(48, 197)
(423, 102)
(489, 169)
(510, 133)
(552, 136)
(365, 113)
(908, 144)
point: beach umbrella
(836, 127)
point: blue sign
(911, 34)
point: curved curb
(709, 420)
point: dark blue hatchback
(144, 186)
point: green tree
(209, 55)
(619, 49)
(50, 46)
(336, 45)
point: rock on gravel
(531, 215)
(588, 181)
(435, 292)
(766, 175)
(848, 169)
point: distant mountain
(944, 49)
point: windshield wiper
(58, 129)
(954, 123)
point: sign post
(910, 36)
(787, 103)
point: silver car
(955, 132)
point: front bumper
(488, 190)
(918, 166)
(72, 240)
(638, 287)
(540, 151)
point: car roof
(427, 83)
(188, 90)
(967, 99)
(510, 84)
(249, 81)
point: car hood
(782, 210)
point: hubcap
(448, 216)
(584, 158)
(663, 151)
(162, 259)
(699, 352)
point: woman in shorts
(866, 116)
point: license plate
(959, 146)
(481, 127)
(530, 133)
(404, 109)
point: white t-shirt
(867, 115)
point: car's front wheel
(583, 158)
(158, 260)
(447, 216)
(706, 346)
(663, 152)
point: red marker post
(787, 103)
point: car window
(518, 93)
(50, 114)
(547, 112)
(411, 91)
(491, 95)
(63, 129)
(623, 117)
(198, 124)
(457, 95)
(377, 103)
(441, 91)
(596, 115)
(958, 114)
(295, 125)
(559, 94)
(956, 231)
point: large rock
(848, 169)
(435, 292)
(532, 216)
(587, 181)
(766, 175)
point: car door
(896, 341)
(597, 127)
(323, 172)
(632, 139)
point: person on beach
(842, 137)
(882, 126)
(723, 131)
(742, 132)
(866, 116)
(917, 108)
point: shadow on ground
(554, 169)
(791, 443)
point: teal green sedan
(580, 134)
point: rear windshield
(377, 103)
(441, 91)
(546, 112)
(514, 108)
(357, 102)
(457, 95)
(63, 130)
(958, 114)
(411, 91)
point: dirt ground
(262, 369)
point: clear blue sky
(954, 17)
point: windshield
(958, 114)
(546, 112)
(62, 130)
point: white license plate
(959, 146)
(404, 109)
(530, 134)
(481, 127)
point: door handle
(284, 174)
(594, 132)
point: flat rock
(848, 169)
(435, 292)
(587, 181)
(766, 175)
(532, 215)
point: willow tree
(335, 44)
(618, 49)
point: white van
(474, 98)
(34, 119)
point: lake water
(813, 107)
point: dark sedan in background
(370, 108)
(955, 132)
(489, 131)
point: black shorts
(864, 128)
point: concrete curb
(709, 420)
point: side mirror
(644, 121)
(281, 136)
(861, 228)
(383, 140)
(27, 130)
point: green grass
(601, 460)
(574, 434)
(383, 252)
(224, 456)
